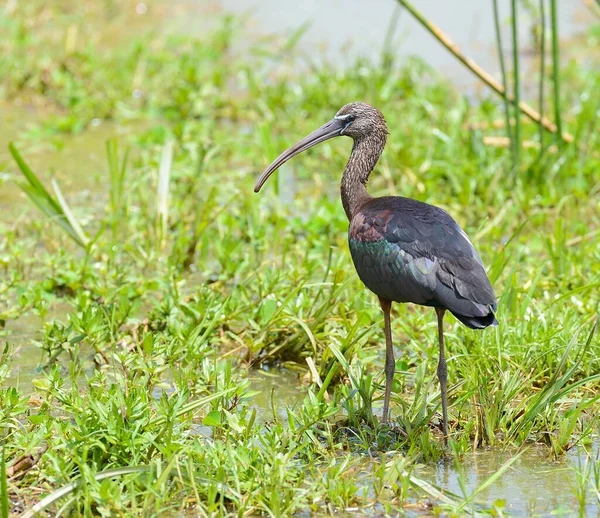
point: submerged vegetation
(162, 283)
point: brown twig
(481, 73)
(579, 239)
(593, 6)
(499, 141)
(24, 463)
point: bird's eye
(348, 118)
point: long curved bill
(332, 129)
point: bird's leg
(390, 366)
(442, 371)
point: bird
(404, 250)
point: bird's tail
(478, 322)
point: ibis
(403, 250)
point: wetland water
(534, 485)
(337, 31)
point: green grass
(142, 397)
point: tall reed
(542, 69)
(513, 130)
(117, 173)
(516, 79)
(507, 105)
(555, 65)
(3, 487)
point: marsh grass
(197, 280)
(54, 207)
(3, 486)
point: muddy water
(278, 390)
(21, 334)
(77, 162)
(533, 486)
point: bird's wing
(434, 250)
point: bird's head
(356, 120)
(361, 120)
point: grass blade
(387, 54)
(56, 209)
(339, 356)
(3, 487)
(33, 180)
(116, 175)
(112, 156)
(162, 195)
(431, 490)
(65, 490)
(69, 215)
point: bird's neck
(364, 157)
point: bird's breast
(388, 272)
(386, 269)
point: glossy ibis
(403, 250)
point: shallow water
(77, 162)
(340, 30)
(278, 390)
(21, 334)
(534, 485)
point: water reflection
(534, 485)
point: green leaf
(213, 418)
(3, 487)
(37, 418)
(267, 309)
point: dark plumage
(403, 250)
(408, 251)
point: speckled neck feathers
(365, 154)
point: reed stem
(386, 53)
(480, 72)
(516, 83)
(507, 106)
(542, 67)
(555, 65)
